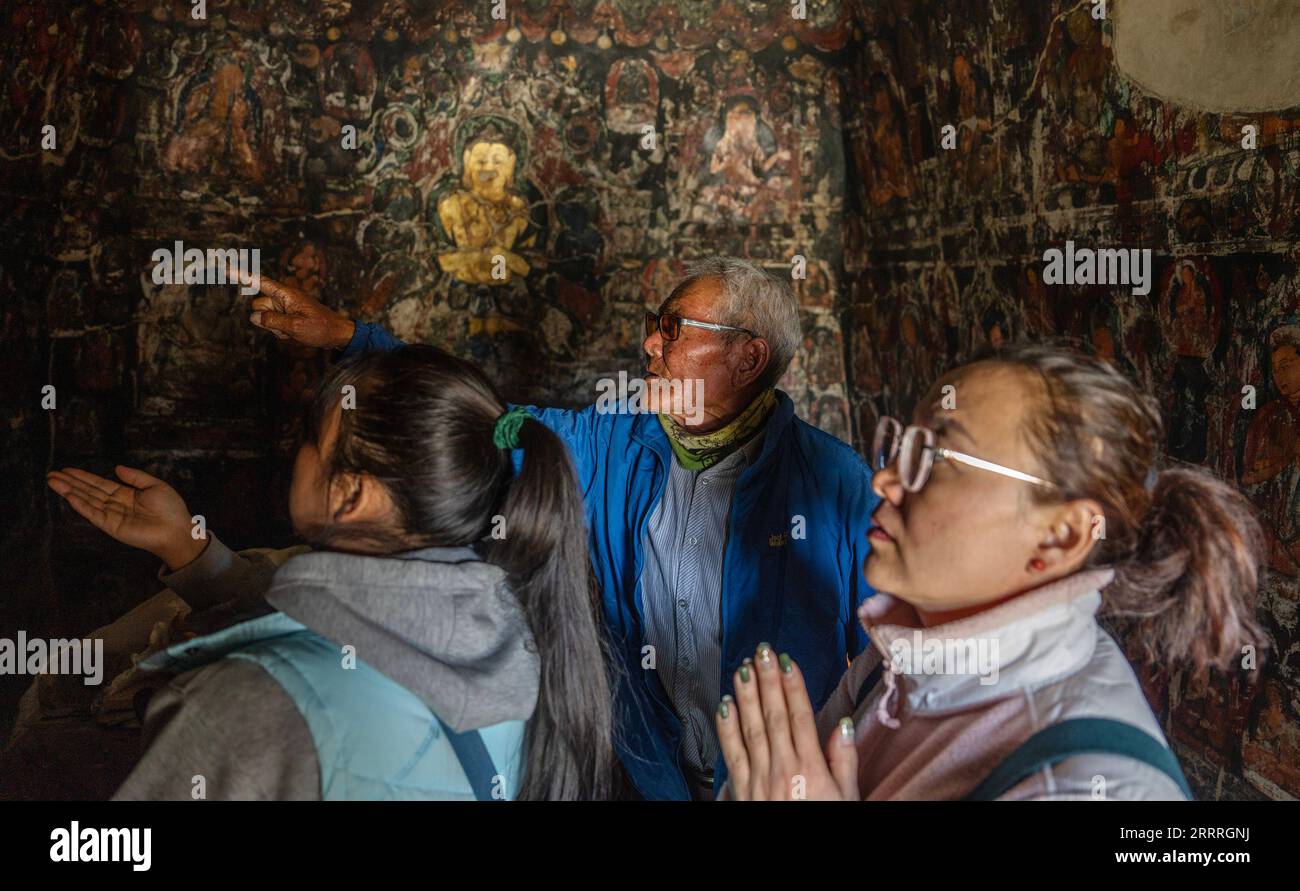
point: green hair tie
(505, 435)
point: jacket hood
(439, 621)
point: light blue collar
(201, 650)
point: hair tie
(505, 435)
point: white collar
(1034, 639)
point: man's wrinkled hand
(287, 312)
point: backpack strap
(474, 760)
(868, 684)
(1077, 736)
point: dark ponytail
(544, 551)
(423, 426)
(1187, 549)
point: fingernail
(744, 673)
(786, 664)
(256, 318)
(722, 706)
(846, 731)
(765, 653)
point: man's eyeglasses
(669, 325)
(915, 449)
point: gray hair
(755, 299)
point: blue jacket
(792, 570)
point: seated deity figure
(485, 217)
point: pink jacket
(965, 694)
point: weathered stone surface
(1245, 52)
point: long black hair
(420, 421)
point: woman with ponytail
(1024, 498)
(441, 641)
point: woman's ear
(348, 496)
(362, 498)
(341, 496)
(1072, 531)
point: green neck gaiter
(696, 451)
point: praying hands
(769, 738)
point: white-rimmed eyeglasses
(915, 449)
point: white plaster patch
(1212, 55)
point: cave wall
(331, 136)
(1051, 142)
(230, 132)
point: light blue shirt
(681, 587)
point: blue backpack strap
(1077, 736)
(474, 759)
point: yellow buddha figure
(484, 217)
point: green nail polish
(786, 664)
(765, 653)
(744, 674)
(722, 708)
(846, 729)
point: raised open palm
(141, 511)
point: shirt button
(694, 540)
(682, 603)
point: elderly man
(713, 527)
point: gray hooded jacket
(438, 621)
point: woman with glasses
(1018, 504)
